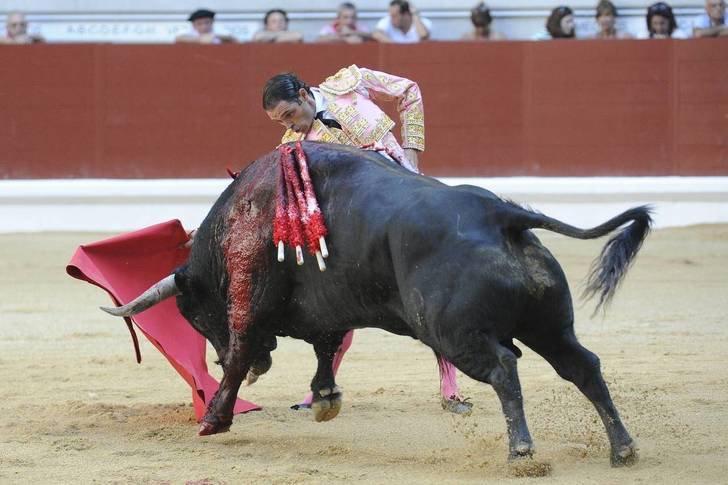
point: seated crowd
(405, 24)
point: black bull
(454, 267)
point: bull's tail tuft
(608, 270)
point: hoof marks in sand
(457, 406)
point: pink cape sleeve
(125, 266)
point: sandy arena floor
(77, 408)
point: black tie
(326, 121)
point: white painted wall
(122, 205)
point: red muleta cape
(127, 265)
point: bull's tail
(608, 270)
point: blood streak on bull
(244, 247)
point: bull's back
(456, 259)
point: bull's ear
(181, 279)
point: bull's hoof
(457, 406)
(326, 407)
(523, 449)
(625, 455)
(251, 378)
(214, 426)
(258, 368)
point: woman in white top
(275, 28)
(607, 22)
(481, 19)
(661, 23)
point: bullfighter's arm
(409, 103)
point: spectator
(481, 19)
(559, 25)
(275, 28)
(714, 22)
(17, 30)
(345, 28)
(606, 21)
(661, 23)
(203, 31)
(403, 25)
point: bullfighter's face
(297, 115)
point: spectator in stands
(606, 21)
(203, 32)
(275, 28)
(559, 25)
(17, 30)
(661, 23)
(713, 23)
(481, 19)
(403, 25)
(345, 28)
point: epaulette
(290, 136)
(344, 81)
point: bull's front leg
(326, 394)
(219, 415)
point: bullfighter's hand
(411, 155)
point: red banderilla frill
(298, 217)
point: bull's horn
(160, 291)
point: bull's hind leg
(219, 415)
(575, 363)
(326, 394)
(496, 364)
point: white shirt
(409, 37)
(676, 34)
(703, 21)
(322, 104)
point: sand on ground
(77, 408)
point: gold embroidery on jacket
(382, 126)
(344, 81)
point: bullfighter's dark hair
(663, 10)
(480, 15)
(605, 7)
(404, 6)
(272, 11)
(553, 23)
(283, 87)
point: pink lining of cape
(125, 266)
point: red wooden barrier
(506, 108)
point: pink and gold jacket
(349, 95)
